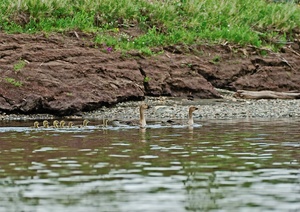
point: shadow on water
(224, 165)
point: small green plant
(264, 52)
(13, 81)
(146, 51)
(189, 65)
(216, 59)
(147, 79)
(19, 65)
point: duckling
(55, 124)
(104, 123)
(70, 124)
(62, 124)
(45, 124)
(84, 123)
(36, 124)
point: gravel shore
(164, 108)
(172, 108)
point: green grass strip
(255, 22)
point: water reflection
(143, 134)
(223, 165)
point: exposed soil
(66, 74)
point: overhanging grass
(255, 22)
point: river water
(223, 165)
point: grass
(13, 81)
(160, 23)
(19, 65)
(216, 59)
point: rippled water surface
(222, 166)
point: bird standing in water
(142, 120)
(191, 120)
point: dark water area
(223, 165)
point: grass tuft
(13, 81)
(19, 65)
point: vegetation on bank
(142, 24)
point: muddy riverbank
(61, 74)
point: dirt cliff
(64, 74)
